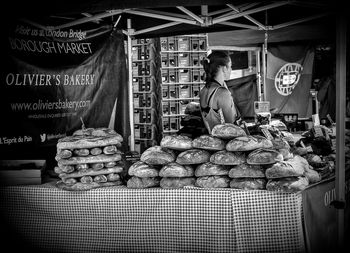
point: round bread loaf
(248, 183)
(279, 143)
(174, 169)
(294, 167)
(211, 169)
(213, 182)
(264, 156)
(247, 171)
(312, 175)
(224, 157)
(288, 184)
(193, 156)
(173, 182)
(177, 142)
(141, 183)
(208, 142)
(227, 131)
(248, 143)
(142, 169)
(157, 155)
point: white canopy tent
(159, 18)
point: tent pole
(130, 90)
(258, 74)
(263, 53)
(340, 123)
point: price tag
(334, 144)
(318, 131)
(267, 133)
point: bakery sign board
(287, 78)
(55, 78)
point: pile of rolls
(227, 158)
(89, 159)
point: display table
(118, 219)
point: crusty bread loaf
(224, 157)
(213, 182)
(90, 159)
(211, 169)
(91, 172)
(177, 182)
(264, 156)
(288, 184)
(247, 171)
(227, 131)
(248, 183)
(157, 155)
(312, 175)
(174, 169)
(83, 187)
(177, 142)
(248, 143)
(279, 143)
(78, 142)
(291, 168)
(193, 156)
(286, 154)
(142, 169)
(208, 142)
(140, 183)
(99, 131)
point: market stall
(193, 217)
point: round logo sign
(287, 78)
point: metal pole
(130, 90)
(340, 124)
(258, 74)
(263, 53)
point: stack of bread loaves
(89, 159)
(245, 155)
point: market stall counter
(120, 219)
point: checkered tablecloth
(118, 219)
